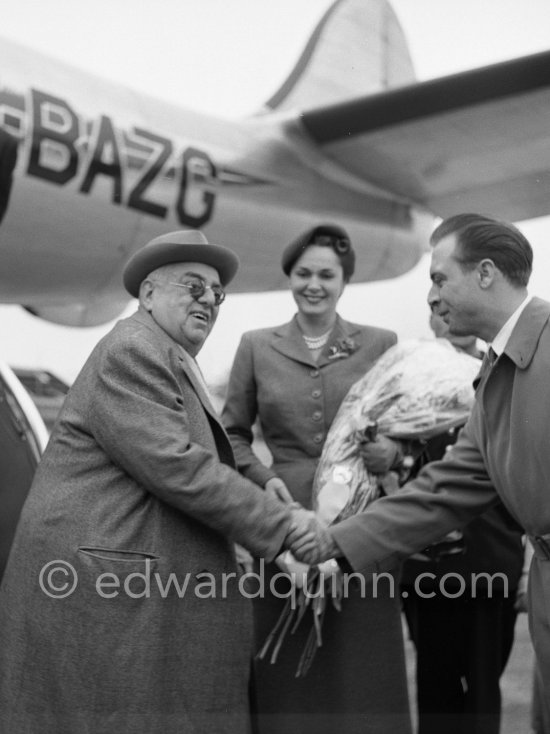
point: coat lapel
(288, 340)
(198, 385)
(223, 444)
(342, 331)
(143, 317)
(524, 339)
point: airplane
(89, 170)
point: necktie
(489, 358)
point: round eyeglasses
(197, 289)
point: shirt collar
(501, 339)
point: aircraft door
(8, 159)
(22, 440)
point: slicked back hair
(479, 237)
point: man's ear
(146, 294)
(486, 271)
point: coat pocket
(117, 554)
(114, 572)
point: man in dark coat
(121, 609)
(459, 599)
(479, 271)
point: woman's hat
(329, 235)
(176, 247)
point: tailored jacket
(503, 452)
(295, 398)
(137, 500)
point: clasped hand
(308, 539)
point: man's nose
(433, 296)
(207, 297)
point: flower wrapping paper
(415, 390)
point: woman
(293, 378)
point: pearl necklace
(317, 342)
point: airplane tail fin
(357, 48)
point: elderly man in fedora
(121, 609)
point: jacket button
(318, 438)
(314, 373)
(316, 394)
(317, 415)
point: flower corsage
(342, 348)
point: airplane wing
(473, 141)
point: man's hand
(379, 455)
(279, 489)
(309, 540)
(302, 526)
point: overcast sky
(226, 57)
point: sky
(225, 57)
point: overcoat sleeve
(240, 411)
(445, 495)
(139, 418)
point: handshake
(309, 540)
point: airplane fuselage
(100, 170)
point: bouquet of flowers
(415, 390)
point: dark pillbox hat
(341, 245)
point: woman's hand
(279, 489)
(380, 455)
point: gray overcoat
(137, 479)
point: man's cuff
(335, 549)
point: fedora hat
(176, 247)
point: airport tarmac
(516, 682)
